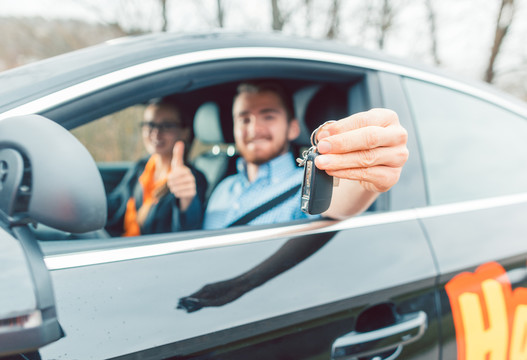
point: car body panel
(334, 274)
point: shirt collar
(280, 164)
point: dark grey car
(433, 270)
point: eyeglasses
(161, 127)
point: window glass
(471, 148)
(114, 138)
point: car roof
(35, 80)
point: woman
(161, 193)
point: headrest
(48, 176)
(329, 103)
(207, 124)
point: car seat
(328, 103)
(213, 157)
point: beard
(261, 156)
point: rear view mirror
(46, 177)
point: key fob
(317, 186)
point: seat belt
(245, 219)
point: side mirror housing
(46, 176)
(28, 318)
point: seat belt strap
(245, 219)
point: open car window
(115, 142)
(107, 121)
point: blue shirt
(236, 196)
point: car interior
(319, 94)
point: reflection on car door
(286, 297)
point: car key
(317, 185)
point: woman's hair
(184, 117)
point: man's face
(161, 130)
(261, 129)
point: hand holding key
(368, 147)
(180, 180)
(368, 151)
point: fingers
(363, 138)
(182, 183)
(374, 117)
(178, 153)
(376, 178)
(387, 156)
(368, 147)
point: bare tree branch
(433, 31)
(386, 21)
(504, 21)
(278, 18)
(164, 19)
(220, 13)
(333, 28)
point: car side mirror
(47, 177)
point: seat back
(213, 156)
(328, 103)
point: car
(434, 269)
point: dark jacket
(164, 216)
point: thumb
(177, 154)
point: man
(366, 151)
(161, 193)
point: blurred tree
(378, 19)
(278, 18)
(433, 31)
(220, 13)
(308, 6)
(131, 16)
(333, 28)
(213, 16)
(386, 17)
(164, 26)
(503, 23)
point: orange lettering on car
(490, 319)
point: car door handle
(408, 328)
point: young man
(366, 151)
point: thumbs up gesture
(180, 180)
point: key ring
(313, 137)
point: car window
(115, 137)
(471, 148)
(116, 144)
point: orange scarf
(152, 191)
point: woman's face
(162, 127)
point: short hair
(172, 104)
(259, 86)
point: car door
(474, 152)
(267, 292)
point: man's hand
(368, 148)
(180, 180)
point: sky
(465, 27)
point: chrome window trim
(87, 258)
(103, 81)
